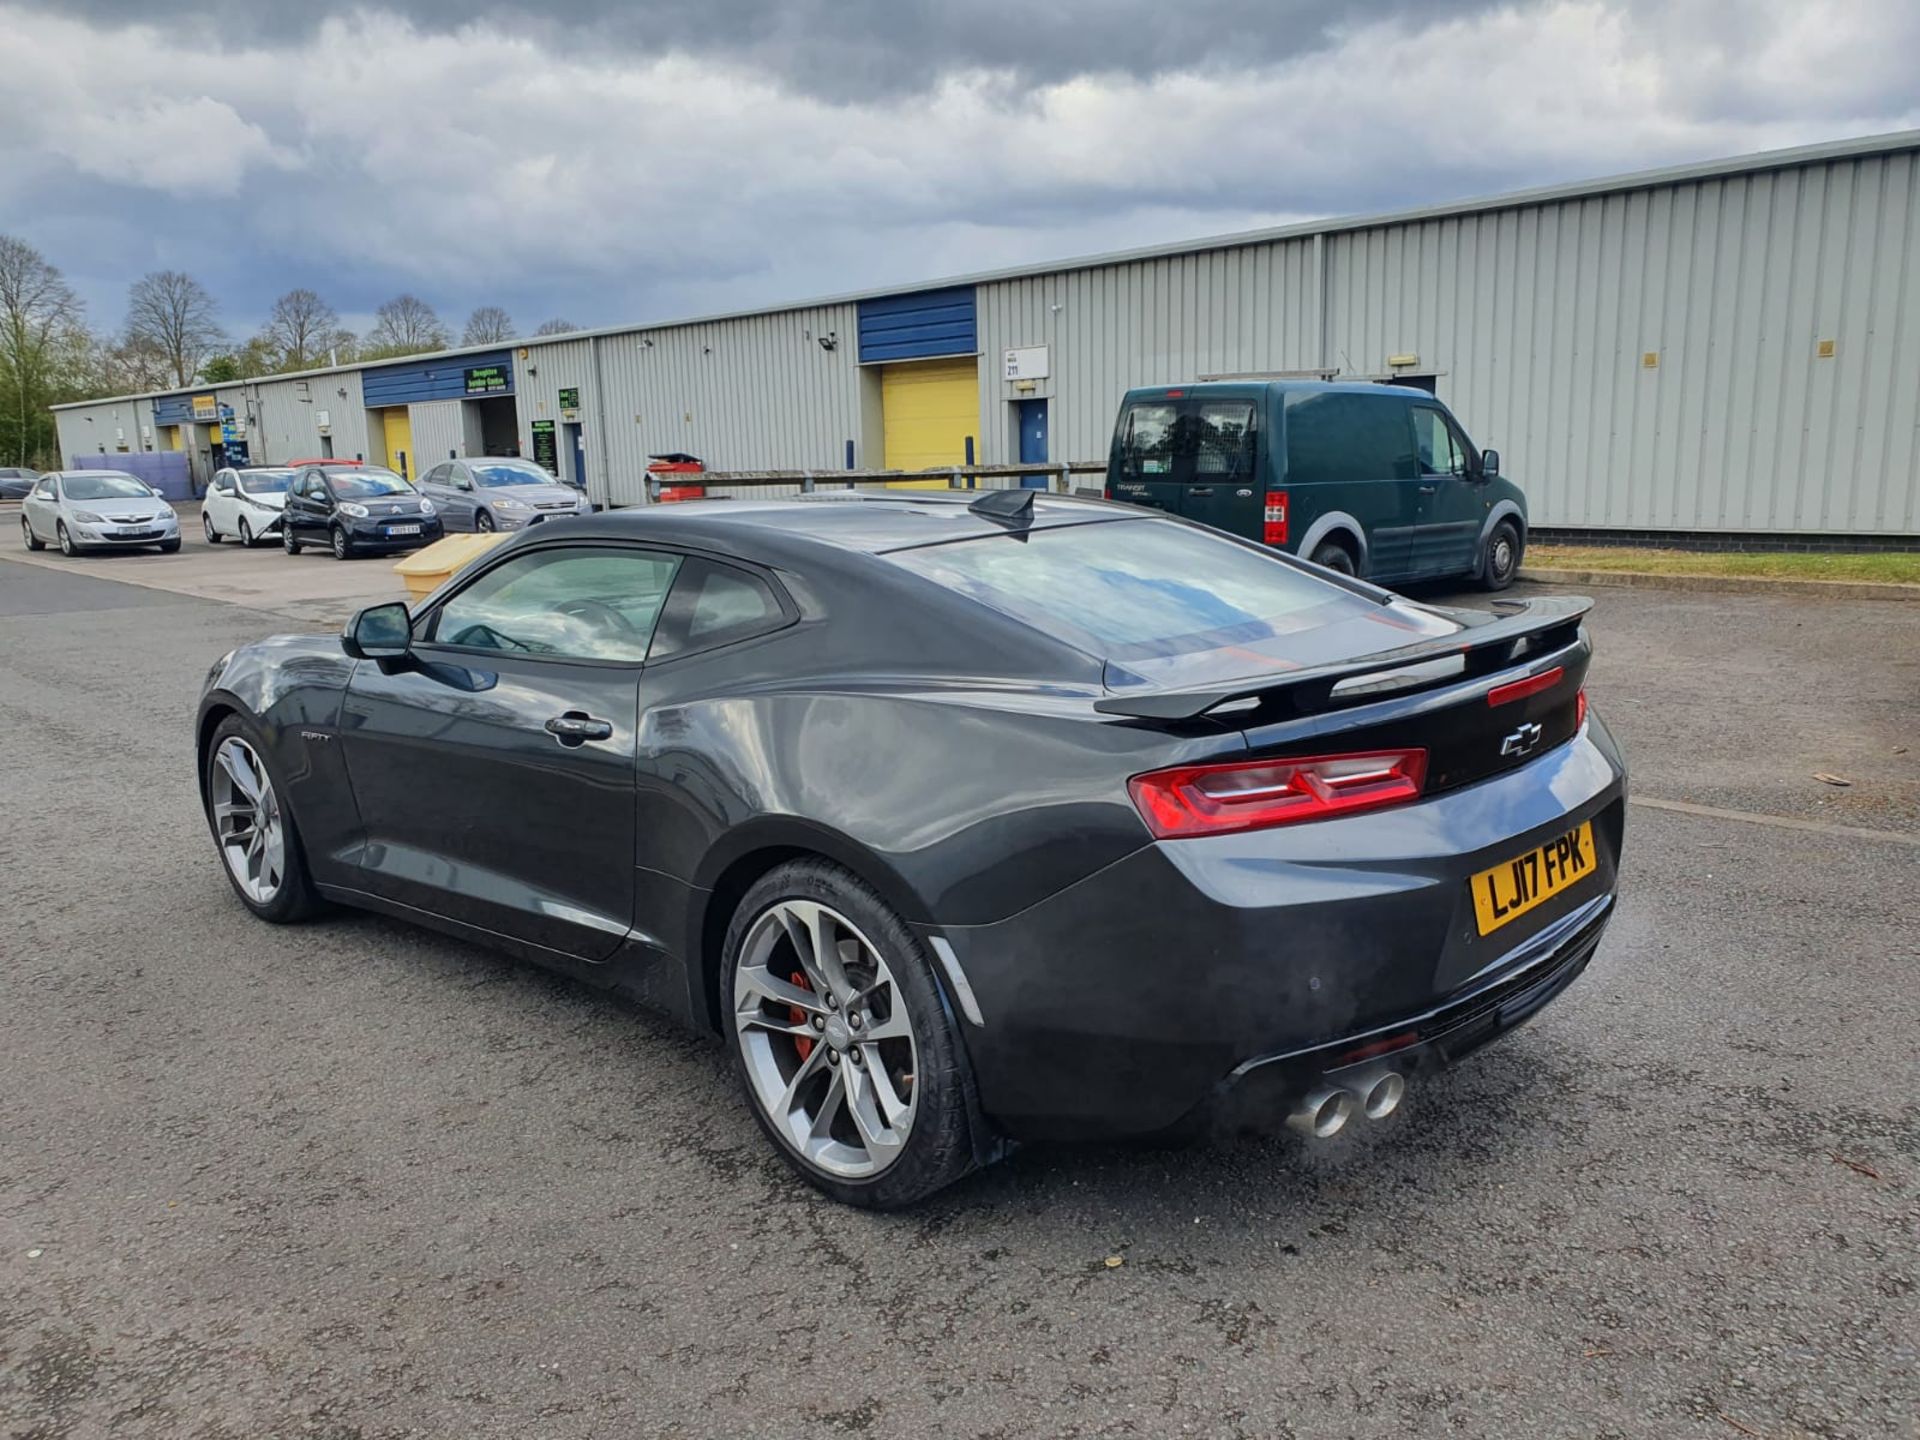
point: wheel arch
(1337, 525)
(736, 865)
(1502, 510)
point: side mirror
(463, 484)
(379, 632)
(1489, 464)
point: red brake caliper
(802, 1044)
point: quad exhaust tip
(1325, 1110)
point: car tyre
(1502, 562)
(67, 547)
(287, 894)
(33, 541)
(287, 542)
(246, 533)
(206, 524)
(885, 964)
(1332, 555)
(342, 547)
(483, 522)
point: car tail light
(1579, 711)
(1275, 530)
(1190, 800)
(1521, 689)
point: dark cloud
(843, 49)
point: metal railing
(1058, 475)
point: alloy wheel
(340, 548)
(247, 820)
(483, 521)
(27, 536)
(66, 540)
(287, 542)
(246, 532)
(823, 1030)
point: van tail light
(1274, 532)
(1190, 800)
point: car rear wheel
(1335, 556)
(33, 541)
(1503, 557)
(845, 1048)
(67, 547)
(206, 524)
(256, 835)
(342, 547)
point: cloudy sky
(635, 160)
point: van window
(1222, 438)
(1336, 436)
(1186, 440)
(1440, 451)
(1146, 441)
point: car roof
(863, 522)
(1236, 389)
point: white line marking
(1782, 822)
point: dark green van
(1371, 480)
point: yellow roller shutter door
(928, 409)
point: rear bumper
(1232, 972)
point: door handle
(1200, 490)
(1428, 489)
(576, 728)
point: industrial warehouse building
(1730, 347)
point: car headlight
(255, 502)
(358, 512)
(87, 517)
(507, 502)
(426, 506)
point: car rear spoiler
(1488, 643)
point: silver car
(498, 493)
(97, 510)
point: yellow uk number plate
(1509, 890)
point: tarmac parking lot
(355, 1180)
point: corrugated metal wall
(1541, 318)
(553, 366)
(288, 417)
(756, 393)
(439, 432)
(1146, 322)
(78, 437)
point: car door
(463, 497)
(41, 507)
(493, 768)
(1452, 500)
(434, 486)
(222, 503)
(308, 506)
(1217, 465)
(1350, 457)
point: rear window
(1336, 437)
(1135, 590)
(1191, 439)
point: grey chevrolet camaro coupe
(963, 822)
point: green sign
(488, 380)
(546, 454)
(570, 398)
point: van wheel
(1504, 548)
(1335, 556)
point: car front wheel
(483, 521)
(206, 524)
(67, 547)
(287, 542)
(845, 1048)
(342, 547)
(246, 532)
(252, 828)
(1503, 557)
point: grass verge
(1885, 567)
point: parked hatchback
(489, 493)
(1372, 480)
(357, 509)
(245, 504)
(97, 510)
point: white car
(245, 505)
(97, 510)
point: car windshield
(265, 482)
(358, 484)
(508, 472)
(1166, 602)
(106, 485)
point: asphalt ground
(353, 1180)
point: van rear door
(1192, 456)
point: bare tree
(557, 327)
(173, 312)
(405, 325)
(124, 365)
(300, 330)
(39, 316)
(486, 325)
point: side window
(313, 487)
(1222, 439)
(438, 475)
(44, 490)
(1341, 436)
(713, 605)
(1440, 451)
(579, 602)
